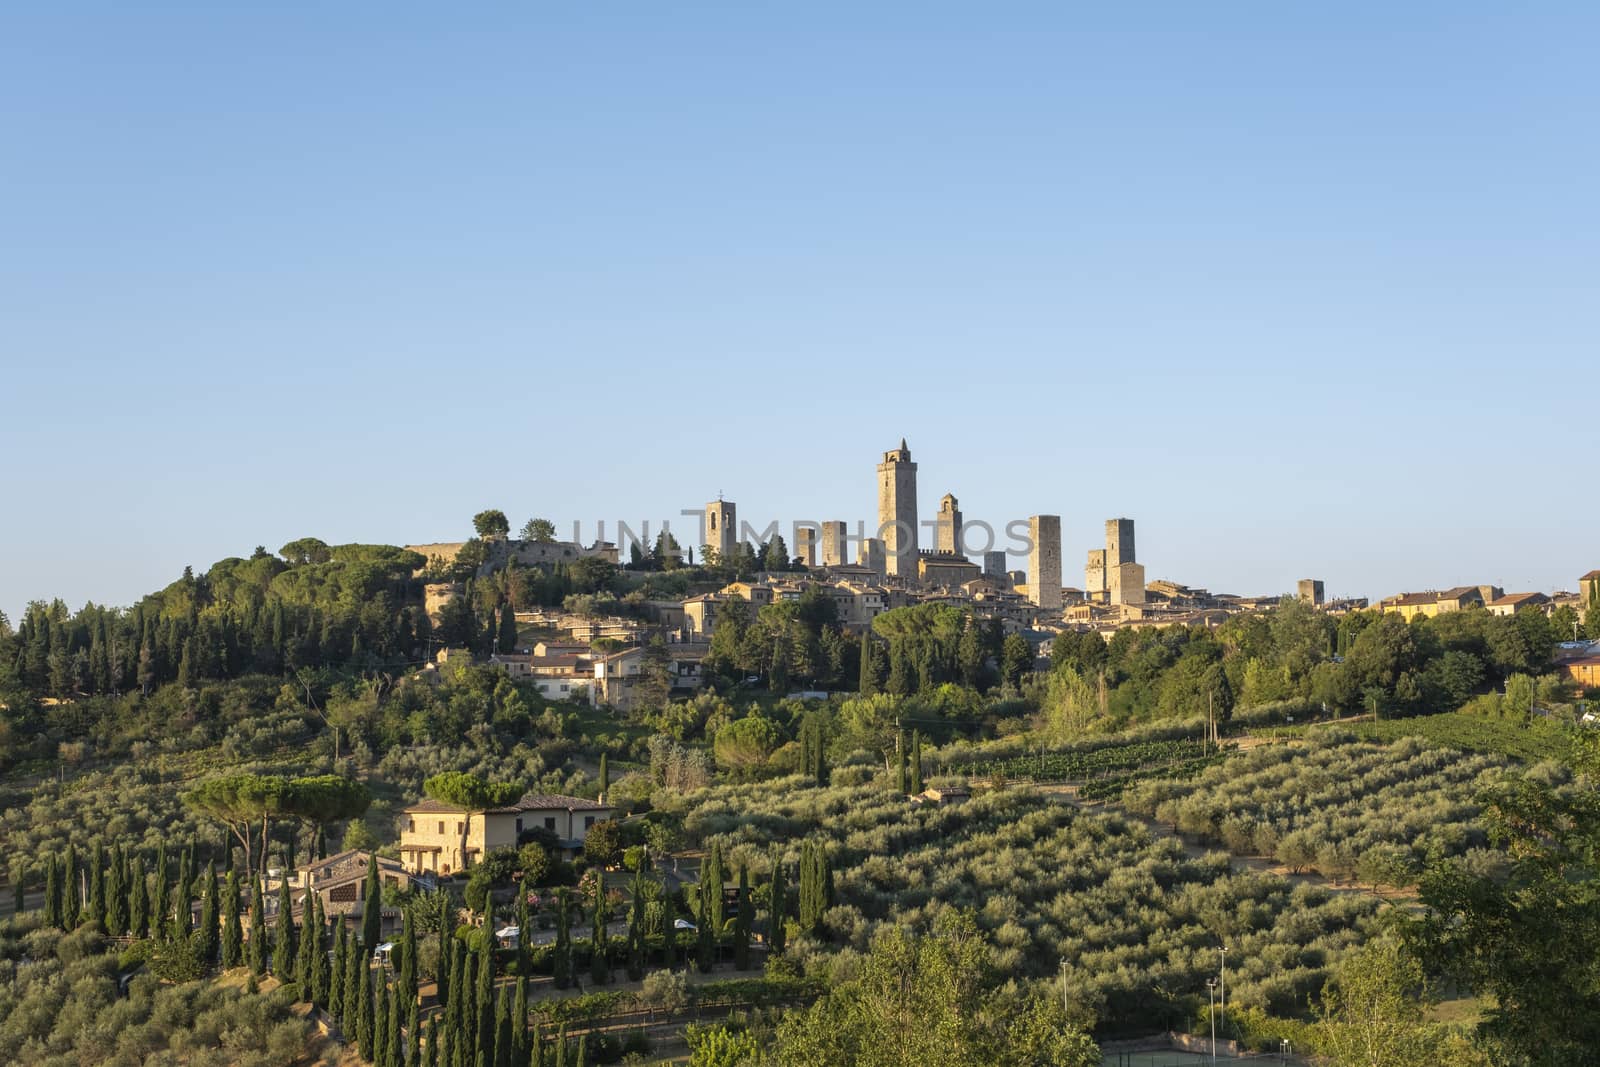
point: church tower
(721, 528)
(947, 527)
(897, 511)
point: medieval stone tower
(1044, 561)
(947, 527)
(722, 528)
(897, 511)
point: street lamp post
(1222, 993)
(1211, 988)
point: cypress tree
(391, 1046)
(605, 775)
(256, 951)
(116, 893)
(583, 1051)
(483, 1002)
(97, 886)
(502, 1030)
(706, 941)
(916, 762)
(161, 899)
(741, 923)
(779, 905)
(350, 995)
(336, 979)
(53, 913)
(232, 930)
(304, 967)
(524, 932)
(561, 958)
(183, 899)
(636, 927)
(138, 900)
(408, 959)
(413, 1035)
(372, 907)
(669, 932)
(519, 1022)
(283, 954)
(321, 978)
(208, 943)
(364, 1012)
(902, 781)
(716, 878)
(380, 1025)
(19, 876)
(561, 1046)
(599, 961)
(430, 1050)
(71, 898)
(463, 1025)
(449, 969)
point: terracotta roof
(428, 805)
(527, 802)
(1591, 576)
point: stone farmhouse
(440, 838)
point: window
(411, 825)
(441, 826)
(519, 826)
(588, 821)
(458, 828)
(550, 822)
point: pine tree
(741, 923)
(561, 957)
(53, 913)
(372, 907)
(232, 931)
(138, 900)
(209, 939)
(779, 905)
(283, 946)
(256, 950)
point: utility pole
(1223, 992)
(1064, 1006)
(1211, 989)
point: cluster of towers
(894, 552)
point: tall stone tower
(1124, 575)
(805, 545)
(1119, 542)
(897, 511)
(1044, 561)
(994, 564)
(834, 537)
(872, 556)
(947, 527)
(722, 528)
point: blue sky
(1303, 291)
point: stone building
(897, 511)
(994, 564)
(947, 527)
(1310, 590)
(1094, 576)
(941, 569)
(1124, 575)
(441, 838)
(835, 541)
(1044, 561)
(722, 527)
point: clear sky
(1305, 290)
